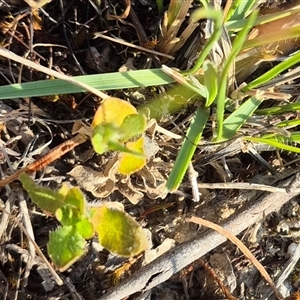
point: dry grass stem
(115, 40)
(172, 22)
(10, 55)
(242, 247)
(57, 279)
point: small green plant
(117, 231)
(115, 124)
(208, 79)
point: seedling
(115, 123)
(115, 126)
(117, 231)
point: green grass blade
(275, 143)
(232, 12)
(281, 35)
(236, 48)
(160, 6)
(217, 17)
(211, 82)
(279, 109)
(188, 148)
(108, 81)
(238, 24)
(295, 137)
(289, 62)
(240, 9)
(286, 138)
(236, 120)
(191, 84)
(289, 123)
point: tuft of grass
(228, 127)
(219, 91)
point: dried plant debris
(150, 180)
(86, 37)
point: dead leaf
(88, 179)
(111, 168)
(150, 180)
(80, 127)
(150, 147)
(128, 66)
(105, 190)
(130, 192)
(36, 4)
(221, 263)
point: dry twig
(176, 259)
(45, 160)
(10, 55)
(242, 247)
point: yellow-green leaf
(130, 163)
(118, 232)
(133, 125)
(47, 199)
(65, 247)
(75, 197)
(113, 110)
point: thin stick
(48, 158)
(242, 247)
(10, 55)
(57, 279)
(241, 186)
(98, 34)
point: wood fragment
(242, 247)
(45, 160)
(213, 274)
(168, 264)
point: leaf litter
(98, 177)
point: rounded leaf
(47, 199)
(69, 215)
(133, 125)
(103, 135)
(130, 163)
(118, 232)
(65, 247)
(113, 110)
(85, 228)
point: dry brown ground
(66, 28)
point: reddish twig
(48, 158)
